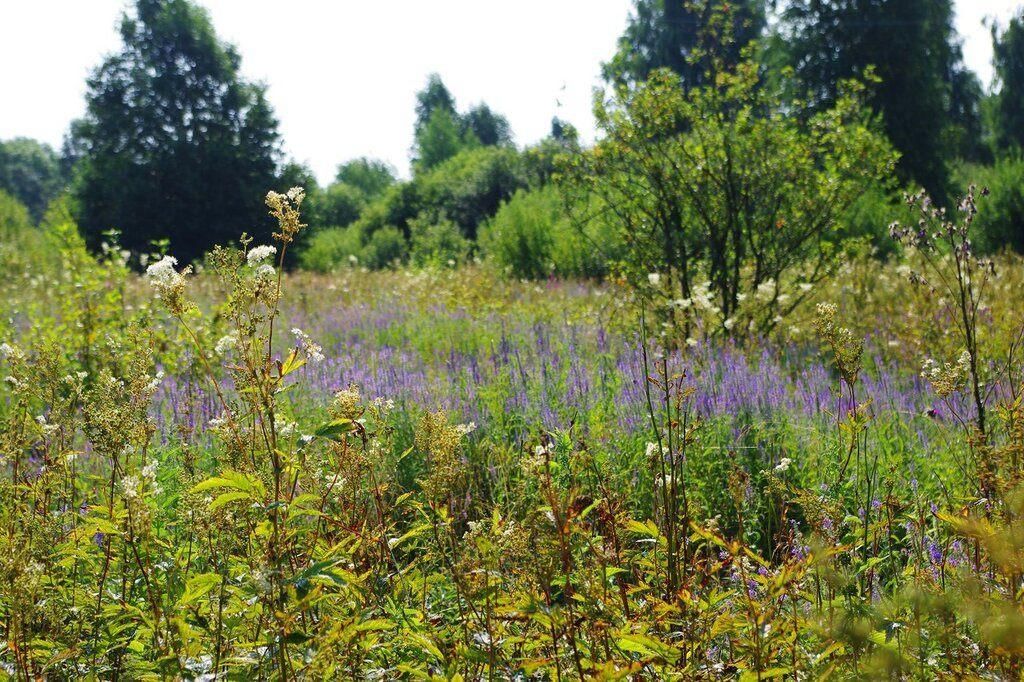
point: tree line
(176, 146)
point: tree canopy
(1008, 48)
(30, 171)
(442, 132)
(685, 36)
(174, 143)
(924, 93)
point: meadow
(233, 472)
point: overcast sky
(342, 74)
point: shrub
(724, 184)
(867, 219)
(330, 248)
(520, 237)
(384, 248)
(437, 243)
(338, 205)
(532, 237)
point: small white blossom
(162, 272)
(259, 254)
(265, 271)
(312, 350)
(226, 344)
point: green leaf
(292, 363)
(199, 586)
(227, 498)
(649, 647)
(334, 430)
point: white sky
(343, 74)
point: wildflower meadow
(725, 384)
(234, 471)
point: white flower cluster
(265, 271)
(226, 344)
(312, 350)
(783, 465)
(700, 299)
(284, 428)
(259, 254)
(45, 426)
(652, 450)
(9, 352)
(465, 429)
(162, 273)
(384, 404)
(946, 378)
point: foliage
(490, 128)
(30, 171)
(924, 91)
(725, 186)
(442, 132)
(1001, 225)
(338, 205)
(330, 248)
(369, 176)
(437, 244)
(440, 138)
(531, 236)
(173, 144)
(1008, 58)
(685, 36)
(612, 508)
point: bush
(1000, 222)
(384, 248)
(867, 219)
(437, 243)
(532, 237)
(331, 248)
(338, 205)
(519, 239)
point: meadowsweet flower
(783, 465)
(168, 283)
(155, 382)
(312, 350)
(226, 344)
(259, 254)
(654, 278)
(265, 271)
(9, 352)
(162, 272)
(347, 403)
(45, 426)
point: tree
(1008, 48)
(174, 144)
(685, 36)
(434, 96)
(439, 139)
(30, 171)
(441, 132)
(725, 185)
(924, 91)
(490, 128)
(369, 176)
